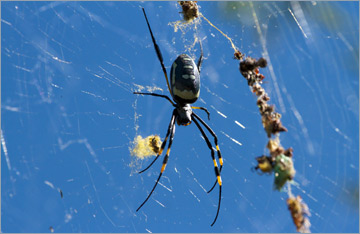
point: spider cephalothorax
(184, 114)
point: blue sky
(69, 117)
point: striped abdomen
(185, 80)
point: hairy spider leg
(216, 143)
(217, 173)
(157, 95)
(158, 52)
(199, 68)
(171, 124)
(166, 158)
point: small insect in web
(185, 90)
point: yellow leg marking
(161, 150)
(219, 180)
(215, 164)
(168, 151)
(163, 168)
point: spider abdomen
(185, 80)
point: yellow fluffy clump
(146, 147)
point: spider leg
(158, 52)
(171, 125)
(201, 57)
(217, 173)
(216, 143)
(156, 95)
(166, 158)
(202, 108)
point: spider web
(69, 116)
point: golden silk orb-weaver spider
(184, 89)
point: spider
(184, 89)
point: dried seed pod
(299, 213)
(284, 171)
(238, 55)
(289, 152)
(271, 122)
(261, 62)
(265, 164)
(190, 10)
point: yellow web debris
(145, 147)
(226, 36)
